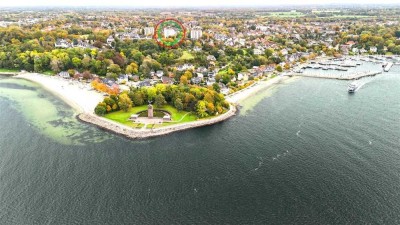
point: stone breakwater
(146, 133)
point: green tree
(231, 72)
(201, 109)
(132, 68)
(76, 62)
(226, 78)
(114, 68)
(216, 87)
(279, 68)
(124, 102)
(178, 104)
(184, 80)
(397, 33)
(71, 72)
(151, 93)
(160, 101)
(101, 109)
(137, 98)
(188, 74)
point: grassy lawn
(8, 70)
(122, 117)
(186, 56)
(49, 72)
(352, 16)
(178, 117)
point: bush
(101, 109)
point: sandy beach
(74, 93)
(241, 95)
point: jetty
(348, 76)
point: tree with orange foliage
(114, 90)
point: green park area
(177, 117)
(49, 72)
(8, 70)
(286, 14)
(186, 56)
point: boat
(352, 87)
(325, 68)
(388, 66)
(299, 71)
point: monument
(150, 111)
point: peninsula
(84, 99)
(192, 69)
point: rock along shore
(129, 132)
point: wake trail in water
(363, 81)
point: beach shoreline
(237, 97)
(75, 95)
(84, 101)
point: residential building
(149, 31)
(169, 32)
(110, 40)
(196, 33)
(62, 43)
(373, 49)
(257, 51)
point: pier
(351, 76)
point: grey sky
(181, 3)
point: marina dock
(351, 76)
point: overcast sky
(182, 3)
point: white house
(159, 73)
(211, 58)
(240, 76)
(169, 32)
(210, 81)
(62, 43)
(200, 75)
(284, 51)
(257, 51)
(64, 74)
(363, 51)
(110, 40)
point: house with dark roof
(167, 80)
(145, 83)
(196, 80)
(135, 78)
(123, 78)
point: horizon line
(202, 7)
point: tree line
(202, 101)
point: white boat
(352, 87)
